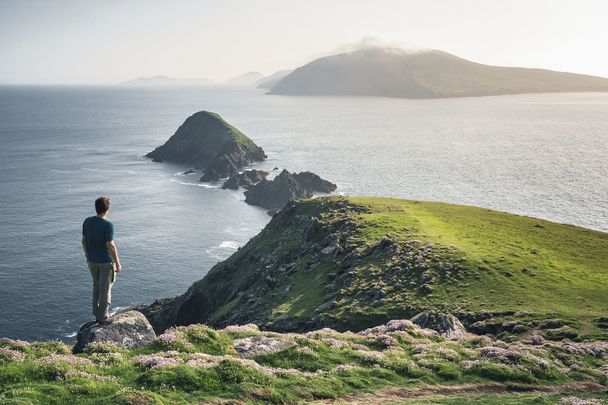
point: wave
(204, 185)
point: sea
(542, 155)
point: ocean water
(542, 155)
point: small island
(211, 144)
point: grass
(322, 365)
(528, 262)
(499, 273)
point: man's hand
(117, 268)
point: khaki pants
(103, 278)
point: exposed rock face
(245, 179)
(286, 186)
(256, 345)
(446, 324)
(130, 329)
(210, 143)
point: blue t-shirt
(97, 233)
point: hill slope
(269, 82)
(352, 263)
(428, 74)
(206, 140)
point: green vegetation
(196, 363)
(350, 263)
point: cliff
(350, 263)
(210, 143)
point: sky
(111, 41)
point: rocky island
(206, 141)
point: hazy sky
(109, 41)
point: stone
(258, 345)
(245, 179)
(446, 324)
(286, 186)
(130, 329)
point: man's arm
(84, 246)
(114, 253)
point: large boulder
(130, 329)
(446, 324)
(276, 193)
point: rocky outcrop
(130, 329)
(274, 194)
(211, 144)
(446, 324)
(245, 179)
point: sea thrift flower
(334, 343)
(344, 367)
(400, 324)
(10, 354)
(386, 340)
(15, 344)
(88, 376)
(249, 328)
(68, 359)
(152, 361)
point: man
(102, 258)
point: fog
(108, 42)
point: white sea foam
(230, 244)
(204, 185)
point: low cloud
(377, 41)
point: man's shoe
(106, 321)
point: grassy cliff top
(349, 263)
(241, 365)
(514, 262)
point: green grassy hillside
(424, 74)
(351, 263)
(389, 364)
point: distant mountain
(269, 82)
(167, 81)
(424, 74)
(246, 79)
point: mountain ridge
(424, 74)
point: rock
(258, 345)
(446, 324)
(130, 329)
(285, 187)
(210, 143)
(536, 340)
(245, 179)
(329, 250)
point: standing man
(102, 258)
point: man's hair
(102, 204)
